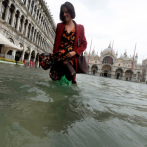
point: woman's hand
(70, 54)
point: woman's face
(66, 14)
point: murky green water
(98, 112)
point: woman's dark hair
(70, 9)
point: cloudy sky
(124, 21)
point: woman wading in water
(70, 42)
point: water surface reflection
(35, 111)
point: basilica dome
(109, 50)
(124, 56)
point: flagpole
(111, 54)
(90, 51)
(133, 56)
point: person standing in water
(70, 42)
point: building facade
(26, 29)
(144, 70)
(109, 65)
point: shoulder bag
(82, 63)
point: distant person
(70, 42)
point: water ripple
(36, 111)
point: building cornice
(28, 14)
(21, 37)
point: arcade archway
(33, 56)
(119, 73)
(106, 71)
(94, 69)
(128, 75)
(26, 55)
(18, 55)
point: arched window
(3, 10)
(28, 6)
(21, 21)
(40, 41)
(32, 6)
(25, 26)
(35, 9)
(24, 1)
(34, 36)
(9, 52)
(42, 20)
(46, 29)
(37, 14)
(11, 40)
(11, 10)
(108, 59)
(29, 29)
(38, 38)
(31, 33)
(39, 17)
(43, 24)
(16, 19)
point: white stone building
(109, 65)
(144, 71)
(26, 29)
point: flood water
(97, 112)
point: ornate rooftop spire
(125, 53)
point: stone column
(7, 13)
(22, 55)
(112, 74)
(33, 35)
(123, 76)
(26, 3)
(26, 29)
(29, 58)
(40, 41)
(43, 25)
(33, 10)
(43, 45)
(13, 17)
(30, 36)
(30, 5)
(18, 23)
(14, 53)
(22, 29)
(35, 57)
(36, 39)
(33, 38)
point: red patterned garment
(55, 60)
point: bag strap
(79, 45)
